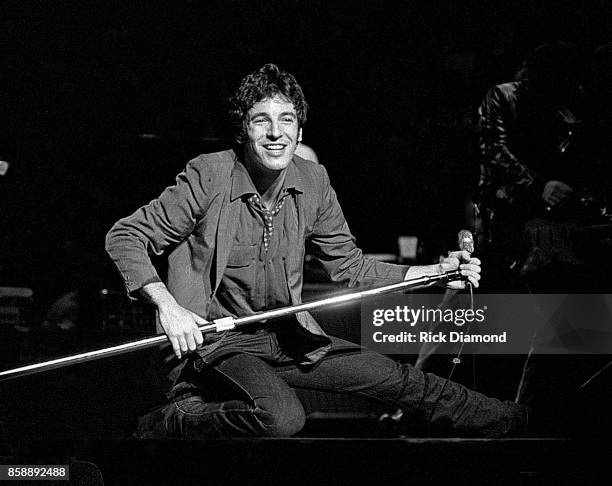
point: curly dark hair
(268, 81)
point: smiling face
(272, 134)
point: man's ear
(300, 135)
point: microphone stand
(229, 323)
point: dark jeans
(248, 391)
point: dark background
(104, 102)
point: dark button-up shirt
(255, 279)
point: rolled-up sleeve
(332, 243)
(164, 222)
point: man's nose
(274, 130)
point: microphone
(465, 241)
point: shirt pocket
(239, 277)
(242, 256)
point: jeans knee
(280, 421)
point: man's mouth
(274, 146)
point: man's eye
(259, 121)
(287, 119)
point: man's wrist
(157, 293)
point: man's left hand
(470, 268)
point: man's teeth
(274, 147)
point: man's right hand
(181, 327)
(180, 324)
(556, 193)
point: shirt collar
(293, 179)
(242, 184)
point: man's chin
(277, 164)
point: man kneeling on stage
(235, 226)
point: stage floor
(342, 461)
